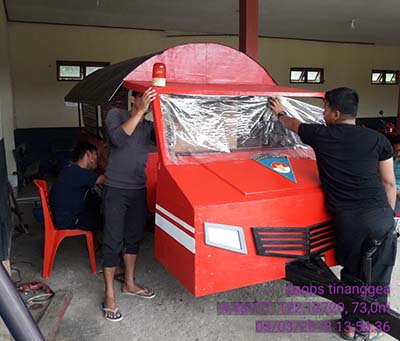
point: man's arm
(138, 112)
(288, 122)
(389, 182)
(119, 131)
(100, 180)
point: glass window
(306, 75)
(296, 76)
(70, 72)
(91, 69)
(384, 77)
(77, 70)
(377, 77)
(390, 77)
(313, 76)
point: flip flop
(116, 318)
(144, 293)
(344, 336)
(359, 336)
(377, 336)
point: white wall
(6, 94)
(34, 49)
(344, 65)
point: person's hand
(100, 180)
(143, 106)
(275, 105)
(101, 149)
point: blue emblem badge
(278, 163)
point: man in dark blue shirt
(70, 202)
(356, 171)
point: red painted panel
(227, 181)
(176, 258)
(204, 63)
(151, 184)
(193, 188)
(171, 197)
(221, 89)
(263, 179)
(220, 270)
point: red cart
(237, 196)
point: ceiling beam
(248, 28)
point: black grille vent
(294, 242)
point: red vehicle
(237, 196)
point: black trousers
(355, 231)
(91, 218)
(125, 214)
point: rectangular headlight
(227, 237)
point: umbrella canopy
(99, 87)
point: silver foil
(197, 127)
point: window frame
(82, 66)
(306, 70)
(384, 72)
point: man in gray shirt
(125, 205)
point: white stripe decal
(176, 233)
(175, 218)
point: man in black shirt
(356, 171)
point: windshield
(197, 127)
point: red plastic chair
(53, 237)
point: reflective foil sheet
(204, 128)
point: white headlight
(225, 236)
